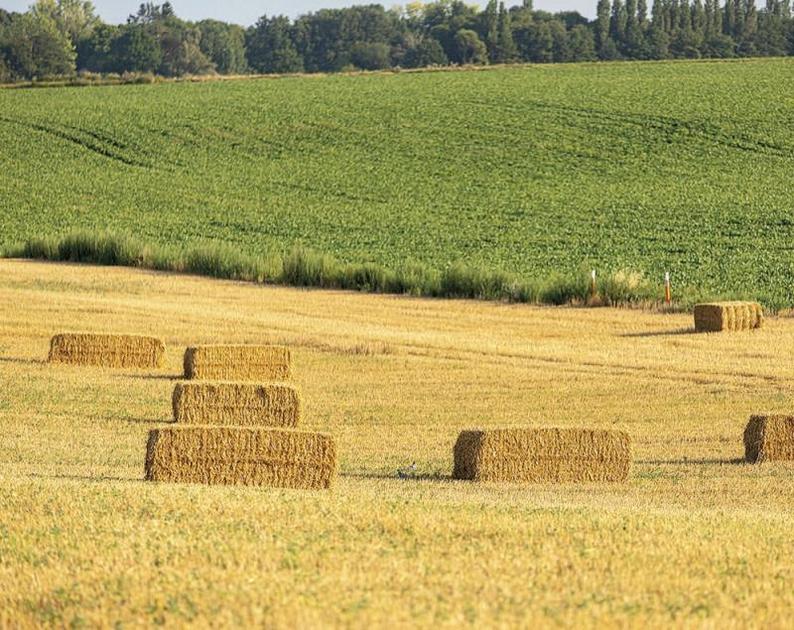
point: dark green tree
(618, 21)
(370, 56)
(95, 53)
(427, 52)
(136, 50)
(582, 44)
(560, 47)
(506, 47)
(602, 25)
(224, 45)
(270, 49)
(642, 13)
(33, 46)
(470, 48)
(490, 29)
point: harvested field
(695, 538)
(117, 351)
(216, 403)
(238, 363)
(728, 316)
(239, 455)
(769, 439)
(543, 455)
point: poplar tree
(491, 29)
(642, 13)
(602, 25)
(619, 21)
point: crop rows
(649, 167)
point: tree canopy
(62, 37)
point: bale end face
(769, 438)
(276, 458)
(238, 363)
(543, 455)
(107, 350)
(728, 316)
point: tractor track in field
(96, 143)
(666, 126)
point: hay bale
(118, 351)
(535, 455)
(733, 316)
(769, 438)
(279, 458)
(238, 363)
(242, 404)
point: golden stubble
(695, 536)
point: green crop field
(682, 166)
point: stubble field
(695, 537)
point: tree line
(58, 38)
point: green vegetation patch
(534, 171)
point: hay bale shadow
(153, 377)
(663, 333)
(684, 461)
(91, 478)
(153, 422)
(21, 361)
(395, 476)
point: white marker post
(668, 297)
(593, 283)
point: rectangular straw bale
(242, 404)
(118, 351)
(733, 316)
(536, 455)
(238, 363)
(251, 456)
(769, 438)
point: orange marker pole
(667, 293)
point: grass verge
(304, 267)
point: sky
(246, 12)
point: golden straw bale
(535, 455)
(769, 438)
(244, 404)
(721, 316)
(118, 351)
(238, 363)
(280, 458)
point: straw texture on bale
(238, 363)
(242, 404)
(119, 351)
(280, 458)
(536, 455)
(735, 316)
(769, 438)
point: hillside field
(696, 538)
(649, 167)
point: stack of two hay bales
(243, 432)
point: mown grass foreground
(694, 538)
(538, 171)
